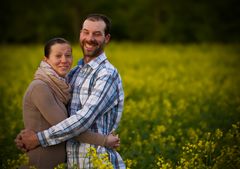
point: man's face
(92, 38)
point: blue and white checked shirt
(96, 105)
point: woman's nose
(64, 59)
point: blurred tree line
(28, 21)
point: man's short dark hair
(100, 17)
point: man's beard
(96, 52)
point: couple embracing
(65, 113)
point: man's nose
(90, 37)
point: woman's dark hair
(51, 42)
(100, 17)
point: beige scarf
(58, 84)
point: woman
(44, 104)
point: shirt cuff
(42, 139)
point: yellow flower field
(182, 102)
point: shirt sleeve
(44, 100)
(103, 97)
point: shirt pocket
(84, 94)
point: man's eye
(84, 32)
(97, 34)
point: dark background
(186, 21)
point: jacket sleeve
(46, 103)
(91, 138)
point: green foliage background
(177, 98)
(136, 20)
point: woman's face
(60, 58)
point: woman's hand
(112, 141)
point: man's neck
(87, 59)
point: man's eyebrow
(97, 31)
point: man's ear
(107, 38)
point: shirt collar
(95, 62)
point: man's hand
(27, 140)
(19, 143)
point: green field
(182, 102)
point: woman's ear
(45, 58)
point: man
(97, 99)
